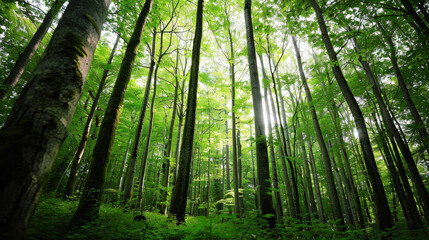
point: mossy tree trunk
(90, 201)
(37, 125)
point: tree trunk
(265, 198)
(180, 189)
(38, 122)
(147, 144)
(90, 201)
(167, 151)
(384, 217)
(401, 81)
(29, 51)
(69, 191)
(132, 165)
(332, 191)
(270, 112)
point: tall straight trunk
(265, 198)
(228, 176)
(391, 127)
(180, 189)
(147, 144)
(235, 166)
(332, 190)
(37, 125)
(29, 51)
(90, 201)
(208, 167)
(167, 151)
(270, 112)
(383, 212)
(179, 132)
(132, 165)
(401, 81)
(240, 170)
(68, 192)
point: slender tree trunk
(265, 198)
(180, 189)
(253, 169)
(167, 151)
(179, 134)
(121, 173)
(38, 122)
(90, 201)
(401, 81)
(383, 212)
(147, 144)
(391, 127)
(69, 191)
(29, 51)
(332, 191)
(270, 112)
(410, 9)
(132, 165)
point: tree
(89, 203)
(180, 189)
(383, 212)
(266, 203)
(37, 125)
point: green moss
(93, 22)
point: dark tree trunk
(90, 201)
(383, 212)
(29, 51)
(180, 189)
(265, 198)
(38, 122)
(69, 191)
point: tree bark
(180, 189)
(38, 122)
(265, 198)
(90, 201)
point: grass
(53, 215)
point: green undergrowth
(53, 215)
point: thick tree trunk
(332, 191)
(180, 189)
(69, 191)
(90, 201)
(29, 51)
(265, 198)
(38, 122)
(384, 217)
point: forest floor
(53, 215)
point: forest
(170, 119)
